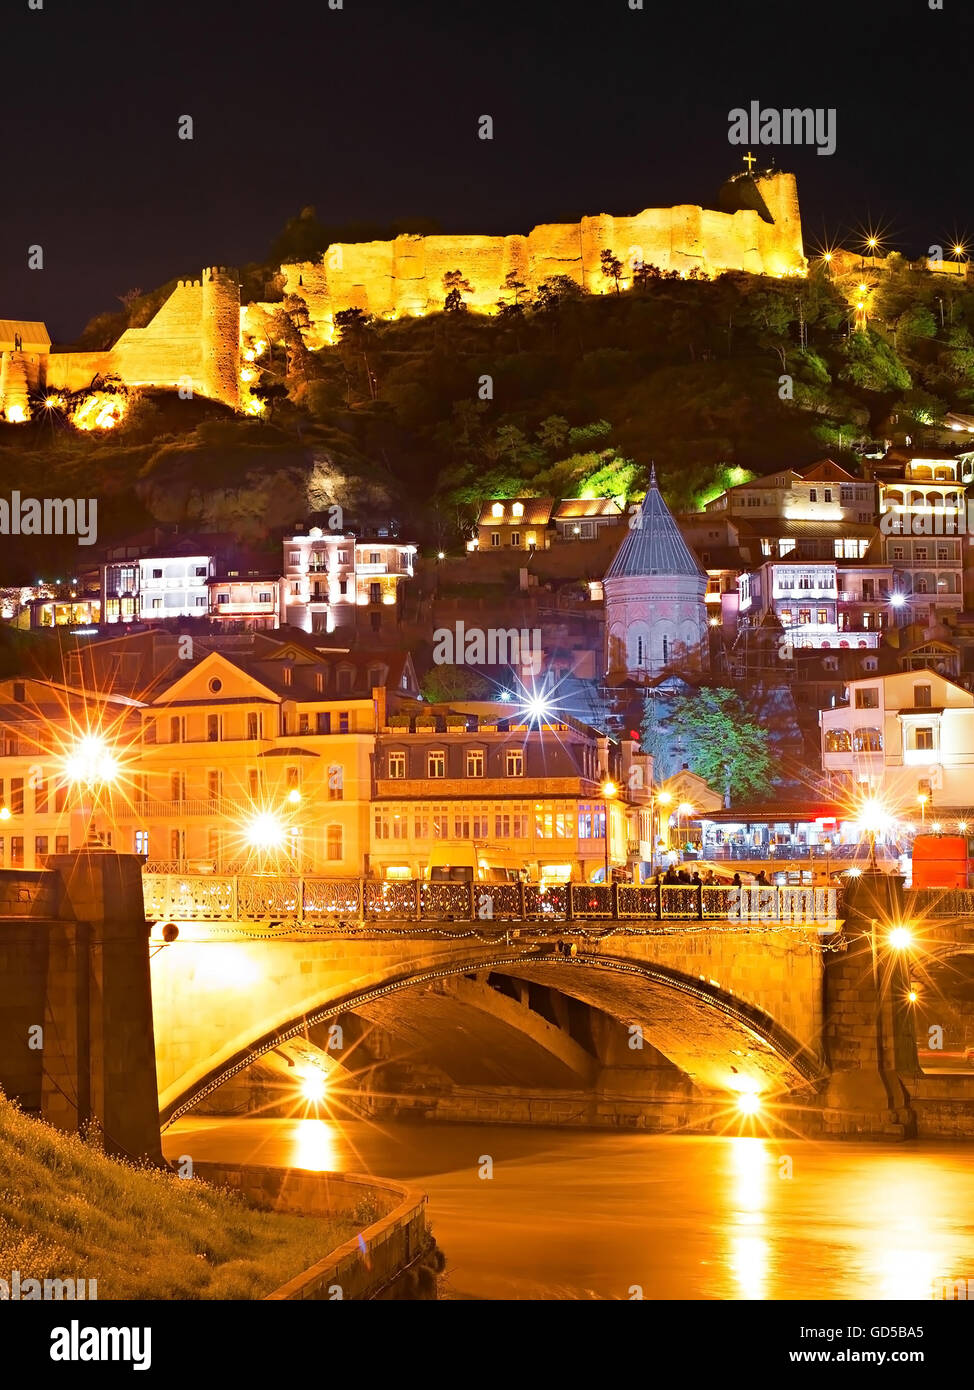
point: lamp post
(608, 792)
(662, 798)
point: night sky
(369, 113)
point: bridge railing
(328, 902)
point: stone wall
(397, 1240)
(405, 276)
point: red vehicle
(943, 861)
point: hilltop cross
(749, 160)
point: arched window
(867, 741)
(666, 650)
(838, 741)
(640, 651)
(334, 844)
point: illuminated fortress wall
(195, 338)
(405, 276)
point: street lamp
(662, 798)
(923, 799)
(609, 790)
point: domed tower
(14, 387)
(655, 613)
(221, 335)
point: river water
(579, 1215)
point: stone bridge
(789, 994)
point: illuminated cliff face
(404, 277)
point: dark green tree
(721, 743)
(611, 266)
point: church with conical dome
(655, 611)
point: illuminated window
(497, 509)
(517, 509)
(334, 850)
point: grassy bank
(67, 1211)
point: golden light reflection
(749, 1260)
(316, 1145)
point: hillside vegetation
(67, 1211)
(565, 393)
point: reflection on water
(591, 1215)
(313, 1145)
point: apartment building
(524, 797)
(922, 519)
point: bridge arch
(719, 1040)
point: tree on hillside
(456, 286)
(552, 433)
(441, 684)
(722, 744)
(611, 266)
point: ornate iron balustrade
(327, 901)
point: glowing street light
(265, 831)
(537, 707)
(923, 799)
(749, 1103)
(900, 938)
(294, 796)
(4, 812)
(873, 817)
(91, 762)
(314, 1085)
(609, 790)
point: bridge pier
(865, 1029)
(79, 1047)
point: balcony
(159, 809)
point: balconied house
(923, 522)
(334, 580)
(907, 737)
(521, 798)
(159, 576)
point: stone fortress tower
(221, 335)
(24, 348)
(655, 612)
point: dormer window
(287, 674)
(497, 510)
(517, 509)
